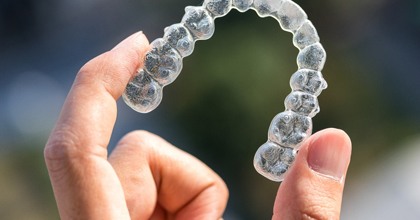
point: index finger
(90, 108)
(89, 112)
(76, 152)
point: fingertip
(137, 39)
(313, 186)
(138, 43)
(131, 52)
(336, 133)
(329, 153)
(112, 70)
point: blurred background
(220, 107)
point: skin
(146, 177)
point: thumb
(314, 186)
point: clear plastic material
(179, 38)
(242, 5)
(143, 93)
(288, 129)
(312, 57)
(218, 8)
(273, 161)
(266, 8)
(305, 35)
(290, 16)
(302, 103)
(199, 21)
(163, 62)
(309, 81)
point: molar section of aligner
(143, 93)
(199, 21)
(242, 5)
(312, 57)
(309, 81)
(180, 38)
(290, 16)
(302, 103)
(289, 129)
(163, 62)
(272, 160)
(305, 35)
(265, 8)
(218, 8)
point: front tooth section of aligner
(312, 57)
(199, 21)
(266, 8)
(302, 103)
(180, 38)
(163, 62)
(143, 93)
(309, 81)
(305, 35)
(242, 5)
(218, 8)
(272, 160)
(289, 129)
(290, 16)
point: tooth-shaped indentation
(143, 93)
(266, 8)
(272, 160)
(242, 5)
(302, 103)
(199, 21)
(309, 81)
(312, 57)
(180, 38)
(305, 35)
(163, 62)
(290, 16)
(289, 129)
(218, 8)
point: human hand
(147, 178)
(144, 177)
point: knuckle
(60, 146)
(57, 154)
(65, 149)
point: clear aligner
(288, 129)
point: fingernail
(329, 157)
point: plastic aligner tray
(288, 129)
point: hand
(145, 177)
